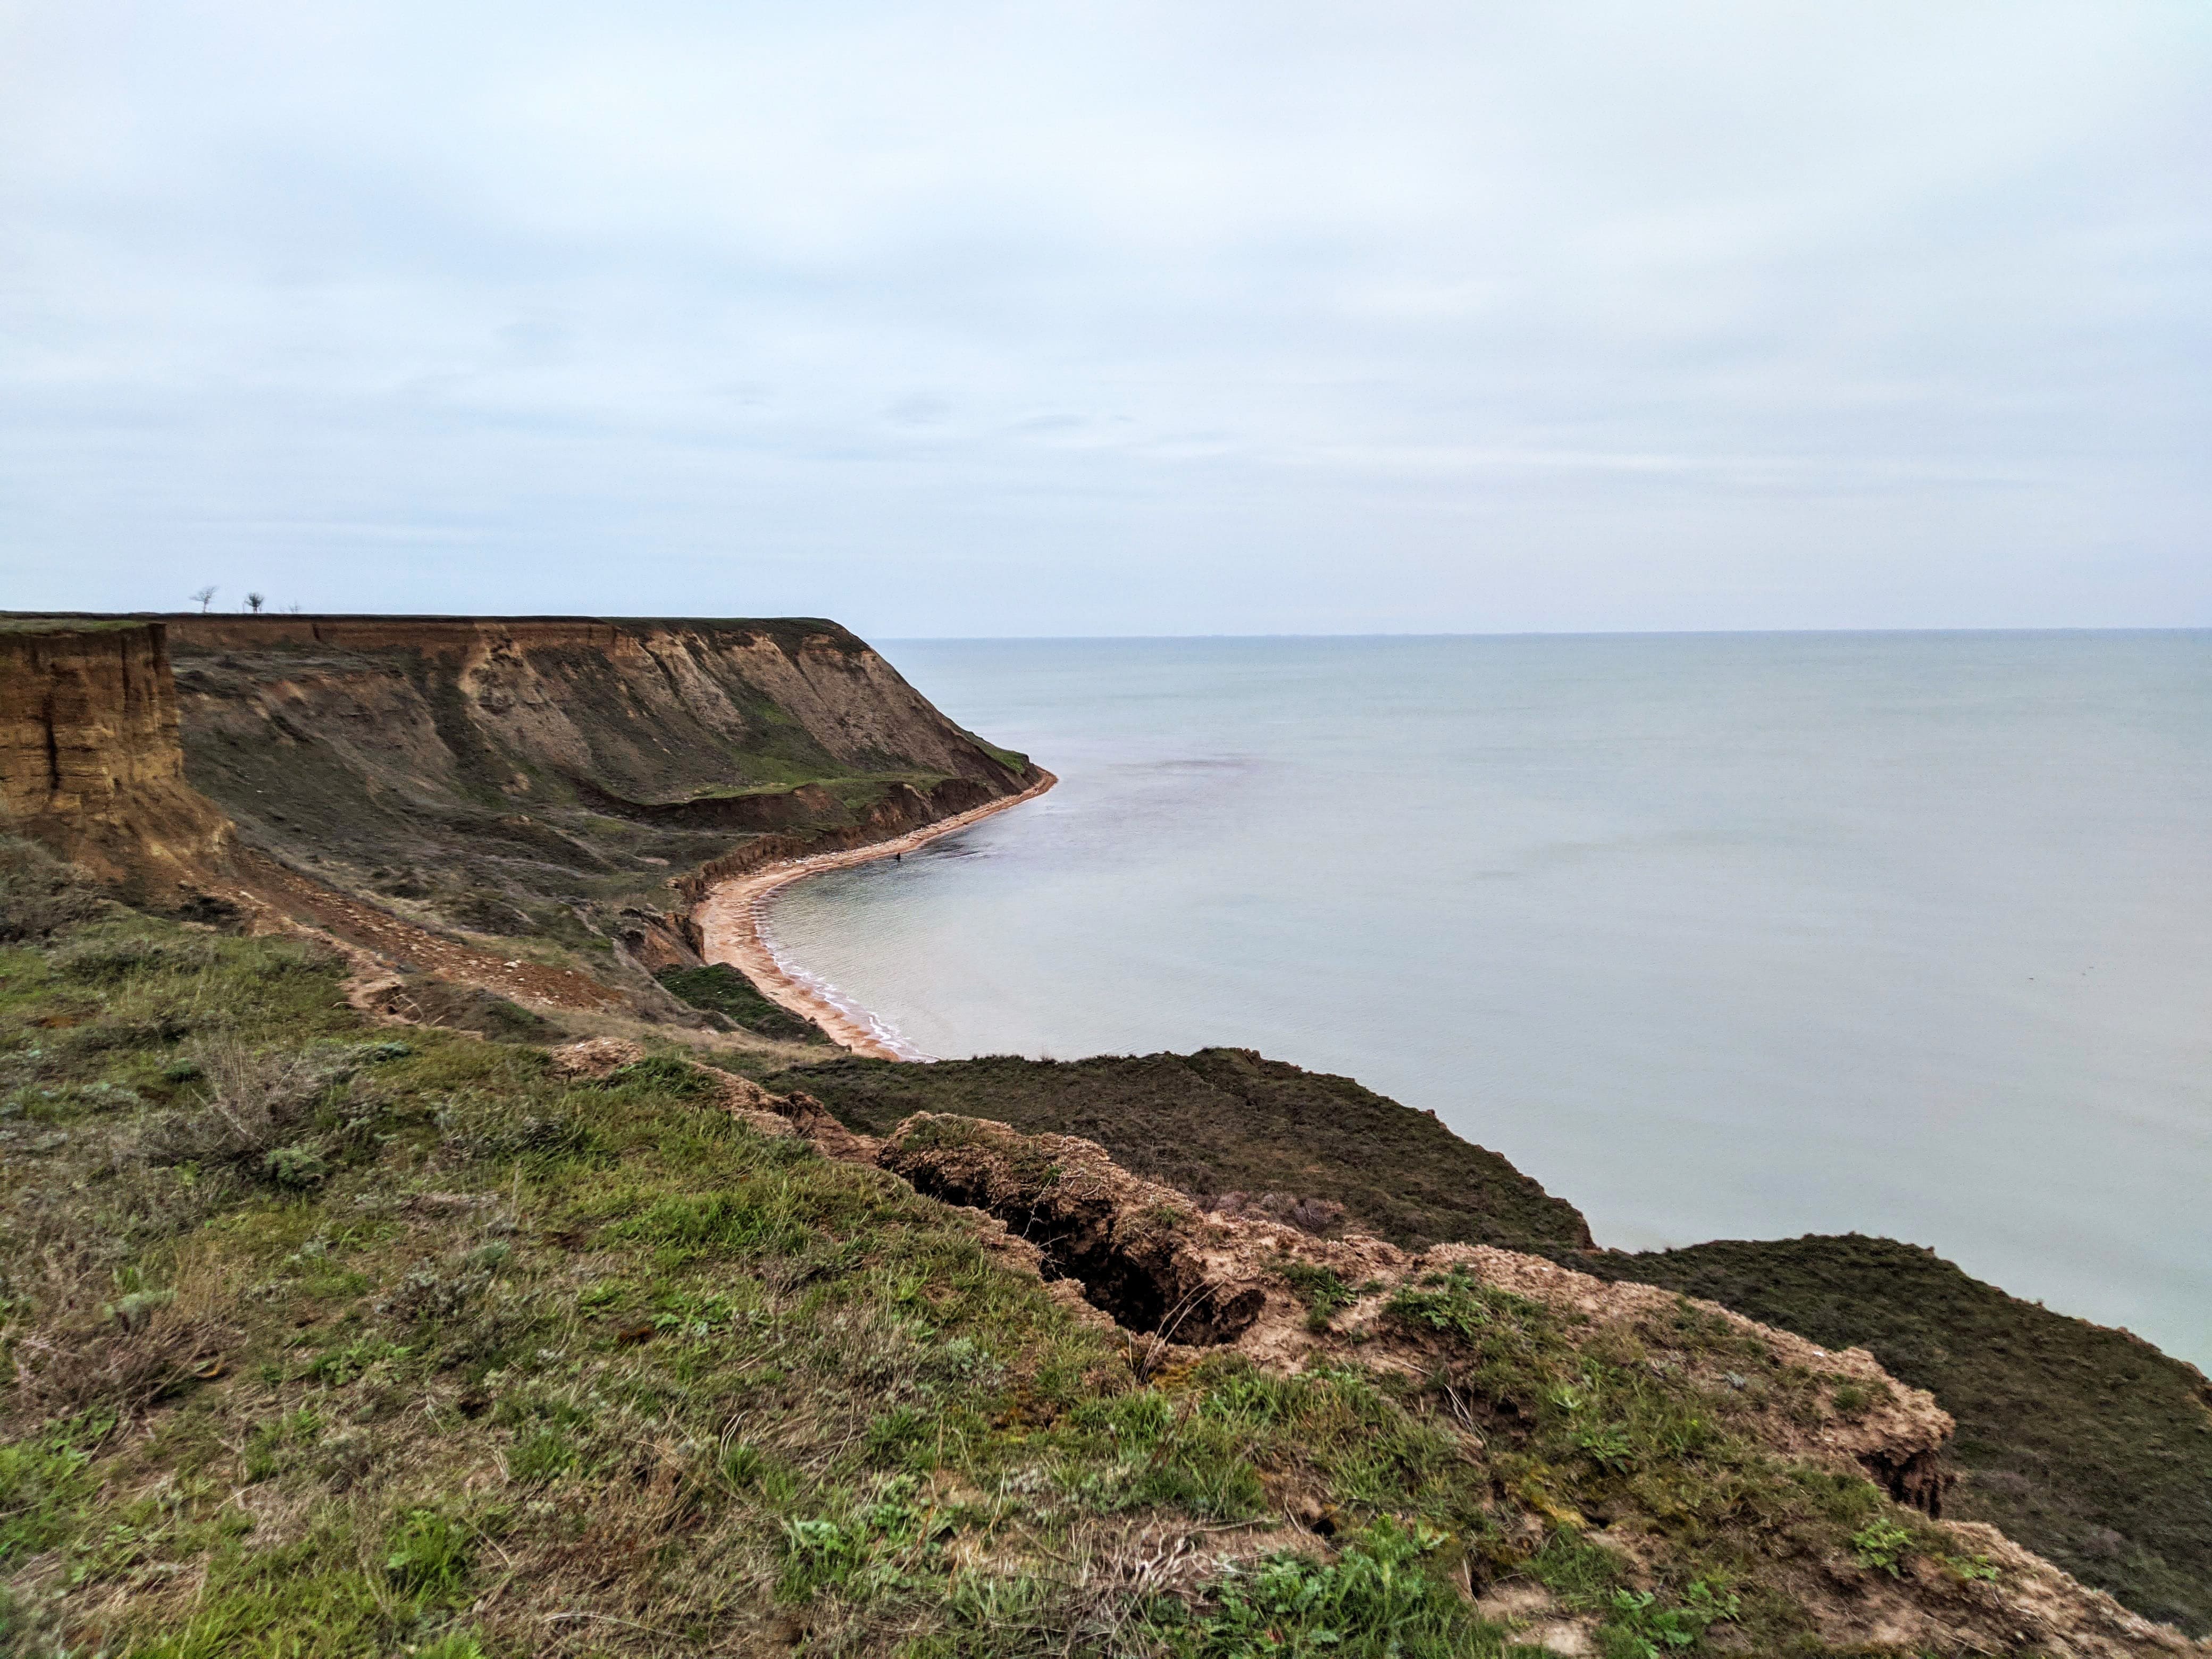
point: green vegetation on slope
(2083, 1443)
(324, 1339)
(1226, 1121)
(723, 990)
(2087, 1444)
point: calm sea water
(1716, 936)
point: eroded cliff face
(648, 714)
(90, 761)
(559, 778)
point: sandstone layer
(90, 761)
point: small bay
(1717, 936)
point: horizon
(1039, 639)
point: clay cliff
(434, 791)
(652, 715)
(518, 776)
(90, 761)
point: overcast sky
(1038, 318)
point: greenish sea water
(1717, 936)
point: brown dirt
(275, 893)
(90, 762)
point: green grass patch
(524, 1347)
(722, 989)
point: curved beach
(730, 922)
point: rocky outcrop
(90, 761)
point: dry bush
(111, 1366)
(110, 960)
(40, 894)
(1312, 1215)
(88, 1349)
(257, 1099)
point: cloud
(996, 318)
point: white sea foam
(873, 1023)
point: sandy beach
(729, 921)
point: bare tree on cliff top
(255, 602)
(205, 596)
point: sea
(1717, 936)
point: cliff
(2085, 1445)
(543, 776)
(435, 790)
(573, 781)
(2083, 1442)
(90, 761)
(647, 715)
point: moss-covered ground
(2085, 1444)
(1222, 1120)
(721, 990)
(328, 1339)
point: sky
(1051, 319)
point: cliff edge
(90, 759)
(527, 805)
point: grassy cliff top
(19, 623)
(326, 1338)
(2085, 1443)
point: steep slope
(90, 755)
(559, 791)
(524, 776)
(329, 1338)
(2086, 1443)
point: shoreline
(731, 918)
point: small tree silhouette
(205, 596)
(255, 602)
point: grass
(2084, 1443)
(24, 623)
(1226, 1121)
(533, 1366)
(723, 990)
